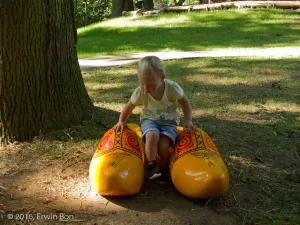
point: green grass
(191, 31)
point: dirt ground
(57, 191)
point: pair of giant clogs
(197, 169)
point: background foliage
(96, 10)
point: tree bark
(148, 4)
(128, 5)
(41, 87)
(117, 8)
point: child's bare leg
(152, 138)
(164, 145)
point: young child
(160, 116)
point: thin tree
(41, 87)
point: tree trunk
(148, 4)
(117, 8)
(128, 5)
(41, 87)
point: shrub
(96, 10)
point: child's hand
(188, 125)
(119, 126)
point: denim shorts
(168, 128)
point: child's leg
(164, 145)
(168, 136)
(152, 138)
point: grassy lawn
(191, 31)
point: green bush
(96, 10)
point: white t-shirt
(164, 109)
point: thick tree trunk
(128, 5)
(148, 4)
(117, 8)
(41, 87)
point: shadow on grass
(102, 120)
(258, 28)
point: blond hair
(151, 64)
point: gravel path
(120, 60)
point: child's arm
(187, 112)
(126, 111)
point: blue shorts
(168, 128)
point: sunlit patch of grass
(247, 162)
(269, 106)
(282, 106)
(226, 76)
(97, 86)
(131, 23)
(110, 105)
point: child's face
(151, 82)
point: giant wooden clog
(197, 169)
(117, 167)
